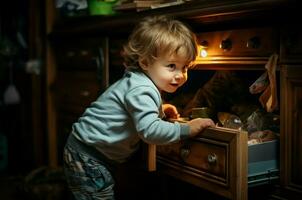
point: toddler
(157, 56)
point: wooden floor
(147, 187)
(40, 184)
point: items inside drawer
(225, 96)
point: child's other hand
(170, 111)
(199, 124)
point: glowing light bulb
(203, 53)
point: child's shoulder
(138, 80)
(138, 77)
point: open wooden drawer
(216, 160)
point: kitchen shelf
(196, 13)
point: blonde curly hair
(156, 35)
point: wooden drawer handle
(212, 158)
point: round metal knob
(84, 93)
(184, 153)
(254, 43)
(70, 54)
(226, 44)
(204, 44)
(212, 158)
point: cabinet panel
(81, 75)
(64, 124)
(291, 45)
(76, 90)
(240, 48)
(257, 42)
(117, 68)
(292, 129)
(80, 53)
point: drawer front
(216, 160)
(85, 54)
(207, 157)
(237, 49)
(76, 90)
(74, 57)
(240, 43)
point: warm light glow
(203, 53)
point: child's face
(168, 72)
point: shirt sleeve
(143, 104)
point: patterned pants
(87, 178)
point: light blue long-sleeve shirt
(129, 110)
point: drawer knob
(254, 42)
(212, 158)
(226, 44)
(85, 93)
(184, 153)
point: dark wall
(15, 89)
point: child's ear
(143, 63)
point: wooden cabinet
(291, 139)
(291, 44)
(217, 159)
(76, 90)
(220, 159)
(291, 114)
(81, 75)
(117, 68)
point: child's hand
(199, 124)
(170, 111)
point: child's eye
(171, 66)
(185, 68)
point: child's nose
(179, 75)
